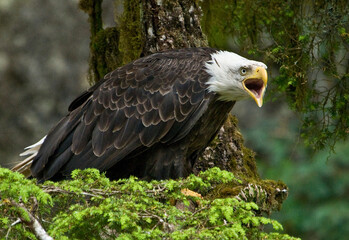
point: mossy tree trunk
(148, 26)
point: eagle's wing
(153, 99)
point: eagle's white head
(235, 78)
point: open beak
(255, 84)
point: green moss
(97, 62)
(250, 163)
(105, 51)
(243, 161)
(267, 194)
(94, 10)
(131, 31)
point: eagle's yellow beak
(255, 84)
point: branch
(95, 192)
(33, 224)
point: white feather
(226, 80)
(33, 149)
(24, 166)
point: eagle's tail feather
(24, 166)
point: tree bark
(171, 24)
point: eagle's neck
(210, 122)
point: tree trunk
(148, 26)
(172, 24)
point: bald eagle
(150, 118)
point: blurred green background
(44, 48)
(317, 206)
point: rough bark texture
(227, 152)
(149, 26)
(171, 24)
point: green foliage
(320, 190)
(307, 41)
(21, 188)
(91, 206)
(317, 206)
(14, 188)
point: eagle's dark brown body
(150, 118)
(175, 160)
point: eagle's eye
(243, 71)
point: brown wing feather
(153, 99)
